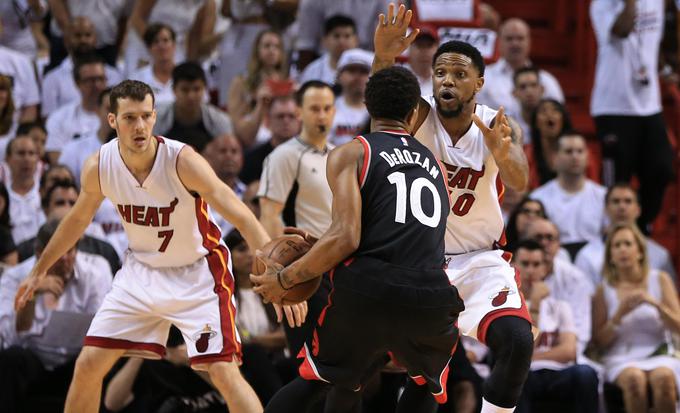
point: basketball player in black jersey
(385, 253)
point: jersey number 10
(399, 179)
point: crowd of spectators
(226, 76)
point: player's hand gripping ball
(275, 255)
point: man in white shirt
(351, 116)
(225, 156)
(514, 45)
(25, 213)
(565, 280)
(554, 374)
(572, 201)
(420, 55)
(72, 292)
(626, 101)
(59, 87)
(528, 91)
(25, 92)
(78, 119)
(622, 207)
(340, 34)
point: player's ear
(411, 119)
(112, 120)
(479, 84)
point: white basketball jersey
(166, 225)
(475, 221)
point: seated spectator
(263, 337)
(339, 35)
(622, 207)
(351, 115)
(565, 196)
(20, 22)
(164, 386)
(555, 375)
(77, 119)
(160, 39)
(25, 91)
(59, 198)
(634, 310)
(188, 119)
(549, 121)
(528, 91)
(526, 211)
(24, 208)
(515, 47)
(251, 93)
(76, 283)
(8, 250)
(420, 58)
(7, 125)
(60, 87)
(37, 132)
(565, 280)
(52, 175)
(225, 155)
(283, 121)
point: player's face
(572, 155)
(23, 159)
(528, 90)
(339, 40)
(624, 250)
(318, 110)
(549, 120)
(134, 122)
(531, 265)
(456, 81)
(163, 46)
(270, 50)
(622, 206)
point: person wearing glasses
(565, 280)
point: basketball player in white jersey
(177, 269)
(481, 150)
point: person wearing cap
(351, 116)
(340, 34)
(420, 55)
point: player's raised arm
(197, 176)
(69, 231)
(339, 241)
(390, 39)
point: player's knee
(225, 375)
(510, 338)
(89, 365)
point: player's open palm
(390, 38)
(498, 137)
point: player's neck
(317, 140)
(571, 183)
(380, 125)
(139, 163)
(458, 126)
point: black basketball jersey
(405, 202)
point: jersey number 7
(167, 236)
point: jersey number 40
(414, 195)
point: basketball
(285, 250)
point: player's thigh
(96, 361)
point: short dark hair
(85, 59)
(43, 177)
(392, 93)
(106, 92)
(316, 84)
(26, 127)
(45, 233)
(188, 71)
(152, 31)
(456, 46)
(569, 134)
(60, 184)
(528, 244)
(621, 185)
(10, 144)
(522, 70)
(281, 99)
(338, 20)
(130, 89)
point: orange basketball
(285, 250)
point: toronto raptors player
(177, 269)
(481, 153)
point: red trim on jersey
(218, 262)
(442, 396)
(322, 316)
(159, 139)
(307, 369)
(120, 344)
(419, 380)
(500, 189)
(521, 312)
(446, 183)
(396, 132)
(212, 358)
(367, 160)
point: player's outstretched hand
(295, 314)
(498, 138)
(27, 290)
(390, 38)
(304, 234)
(268, 284)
